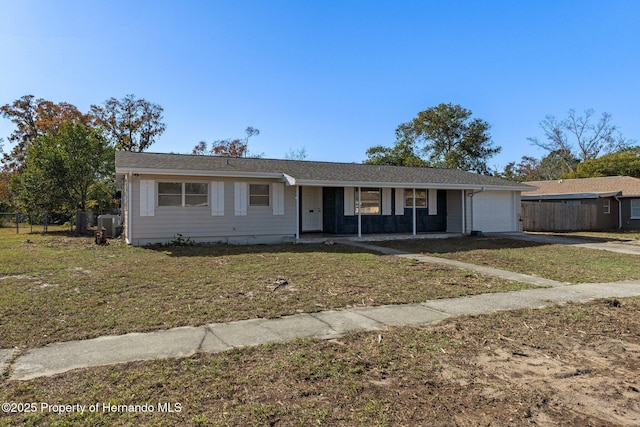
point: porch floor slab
(325, 237)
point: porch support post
(414, 213)
(464, 213)
(297, 212)
(359, 211)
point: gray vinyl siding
(259, 225)
(454, 211)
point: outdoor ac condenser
(110, 224)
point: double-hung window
(183, 194)
(195, 194)
(421, 198)
(259, 194)
(606, 206)
(169, 194)
(635, 208)
(370, 201)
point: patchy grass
(57, 288)
(564, 365)
(558, 262)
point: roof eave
(386, 184)
(315, 183)
(207, 173)
(572, 196)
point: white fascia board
(440, 186)
(207, 173)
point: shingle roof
(306, 172)
(625, 185)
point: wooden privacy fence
(549, 216)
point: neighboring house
(607, 203)
(246, 200)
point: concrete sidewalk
(185, 341)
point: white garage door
(494, 211)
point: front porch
(327, 237)
(373, 213)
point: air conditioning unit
(111, 224)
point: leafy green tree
(448, 137)
(622, 163)
(401, 154)
(130, 124)
(6, 196)
(101, 195)
(61, 169)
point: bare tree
(228, 147)
(580, 137)
(299, 154)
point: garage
(493, 211)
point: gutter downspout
(464, 212)
(473, 193)
(619, 212)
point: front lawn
(57, 287)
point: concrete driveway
(554, 239)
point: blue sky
(335, 77)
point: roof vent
(560, 181)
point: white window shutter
(433, 201)
(399, 201)
(217, 198)
(349, 201)
(240, 198)
(147, 197)
(277, 195)
(386, 201)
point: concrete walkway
(217, 337)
